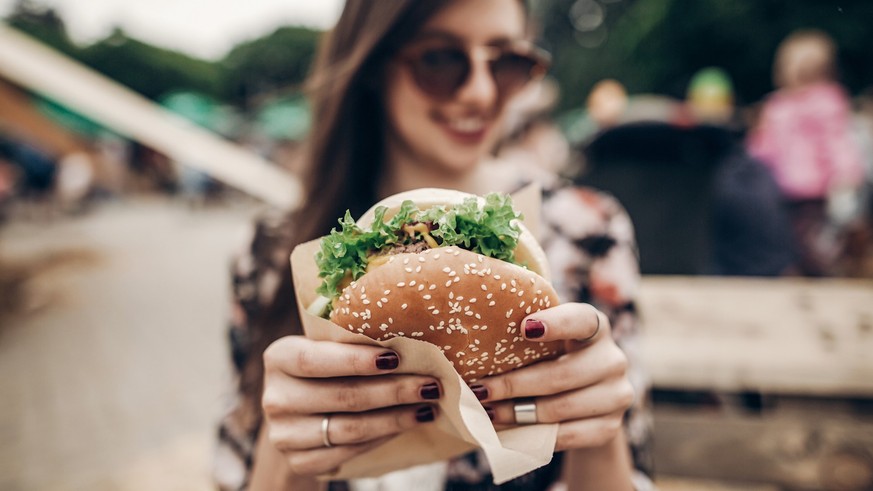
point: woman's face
(452, 133)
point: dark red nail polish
(490, 412)
(424, 414)
(430, 391)
(387, 361)
(480, 391)
(534, 329)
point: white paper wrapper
(462, 423)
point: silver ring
(525, 411)
(325, 423)
(596, 329)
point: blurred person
(804, 135)
(75, 180)
(607, 103)
(751, 235)
(413, 94)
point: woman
(409, 94)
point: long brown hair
(344, 153)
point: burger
(450, 268)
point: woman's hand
(586, 390)
(353, 386)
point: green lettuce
(489, 230)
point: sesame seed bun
(469, 305)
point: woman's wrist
(606, 467)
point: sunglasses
(441, 71)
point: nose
(479, 89)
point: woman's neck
(403, 173)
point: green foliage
(149, 70)
(269, 64)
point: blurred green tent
(68, 118)
(286, 118)
(203, 111)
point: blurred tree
(657, 45)
(150, 70)
(43, 24)
(269, 64)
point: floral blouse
(589, 240)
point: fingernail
(424, 414)
(480, 391)
(490, 412)
(387, 361)
(534, 329)
(430, 391)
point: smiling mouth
(466, 125)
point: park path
(113, 369)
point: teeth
(467, 125)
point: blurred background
(139, 139)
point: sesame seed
(497, 277)
(492, 303)
(401, 284)
(452, 273)
(412, 283)
(408, 270)
(448, 283)
(384, 300)
(403, 306)
(521, 304)
(451, 294)
(436, 256)
(520, 293)
(365, 302)
(446, 269)
(527, 310)
(405, 261)
(509, 313)
(472, 300)
(435, 312)
(391, 320)
(418, 269)
(489, 295)
(432, 286)
(457, 279)
(420, 259)
(426, 297)
(502, 286)
(379, 304)
(539, 292)
(421, 287)
(484, 288)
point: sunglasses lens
(513, 71)
(439, 72)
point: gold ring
(325, 423)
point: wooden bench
(802, 349)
